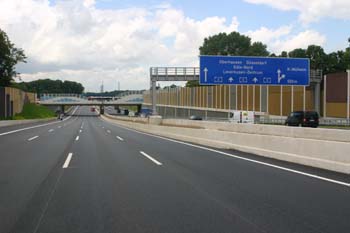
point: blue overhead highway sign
(215, 70)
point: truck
(242, 117)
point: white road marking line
(80, 131)
(31, 139)
(119, 138)
(108, 131)
(60, 126)
(150, 158)
(66, 163)
(77, 138)
(242, 158)
(33, 127)
(103, 127)
(51, 130)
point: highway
(87, 175)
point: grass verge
(33, 111)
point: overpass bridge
(78, 100)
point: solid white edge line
(242, 158)
(33, 127)
(77, 138)
(120, 139)
(150, 158)
(66, 163)
(32, 138)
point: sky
(111, 41)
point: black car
(195, 118)
(303, 118)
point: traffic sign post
(221, 70)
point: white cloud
(301, 40)
(75, 40)
(283, 38)
(311, 10)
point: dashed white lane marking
(31, 139)
(51, 130)
(60, 126)
(66, 163)
(241, 158)
(108, 131)
(150, 158)
(80, 131)
(119, 138)
(77, 138)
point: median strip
(66, 163)
(150, 158)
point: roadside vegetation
(34, 111)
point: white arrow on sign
(255, 80)
(280, 77)
(230, 79)
(205, 74)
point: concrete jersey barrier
(332, 154)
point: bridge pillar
(62, 109)
(102, 110)
(154, 96)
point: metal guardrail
(126, 93)
(174, 71)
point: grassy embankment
(33, 111)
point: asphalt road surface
(87, 175)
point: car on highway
(303, 118)
(195, 118)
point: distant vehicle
(93, 109)
(303, 118)
(195, 118)
(145, 112)
(242, 117)
(60, 116)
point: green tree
(9, 57)
(317, 56)
(258, 49)
(193, 83)
(284, 54)
(51, 86)
(233, 44)
(297, 53)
